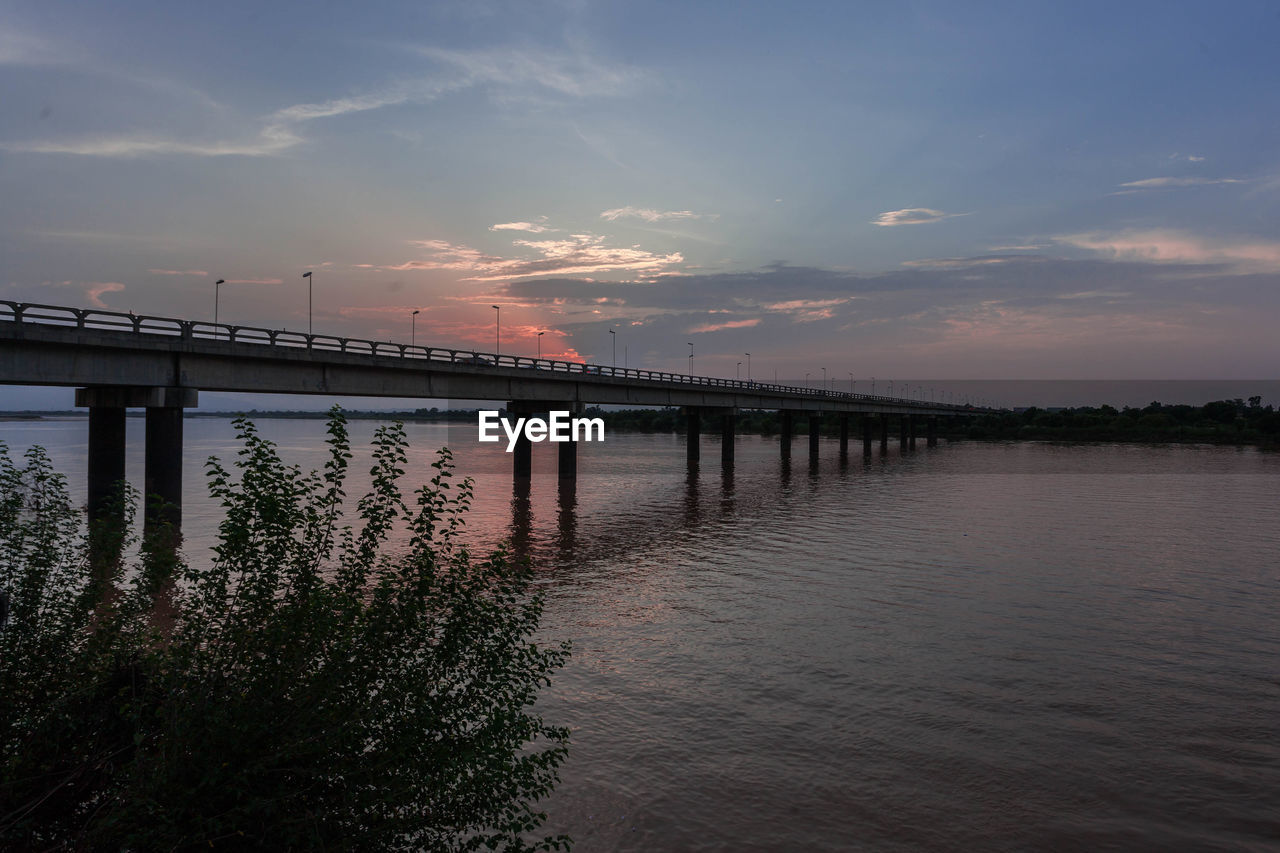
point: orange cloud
(728, 324)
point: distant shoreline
(1225, 422)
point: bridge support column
(815, 422)
(728, 422)
(911, 425)
(693, 433)
(866, 435)
(106, 460)
(522, 457)
(844, 436)
(884, 433)
(903, 420)
(932, 426)
(569, 460)
(162, 475)
(784, 416)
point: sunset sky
(954, 191)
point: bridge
(121, 360)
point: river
(976, 646)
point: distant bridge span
(121, 360)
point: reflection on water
(1019, 646)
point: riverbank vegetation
(1221, 422)
(307, 689)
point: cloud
(96, 290)
(255, 281)
(579, 254)
(1167, 182)
(728, 324)
(533, 227)
(1167, 246)
(575, 74)
(648, 214)
(912, 216)
(22, 49)
(276, 133)
(178, 272)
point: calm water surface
(997, 647)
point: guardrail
(95, 319)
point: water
(998, 647)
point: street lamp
(748, 355)
(413, 327)
(540, 334)
(216, 287)
(824, 380)
(613, 336)
(806, 378)
(307, 276)
(497, 331)
(850, 381)
(690, 358)
(738, 374)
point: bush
(305, 690)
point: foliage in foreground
(306, 690)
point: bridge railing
(96, 319)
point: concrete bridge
(121, 360)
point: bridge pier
(844, 436)
(568, 463)
(728, 422)
(522, 457)
(903, 420)
(693, 433)
(815, 422)
(931, 425)
(884, 433)
(162, 474)
(911, 426)
(866, 435)
(784, 416)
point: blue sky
(951, 191)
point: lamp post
(690, 358)
(413, 327)
(738, 373)
(806, 378)
(540, 334)
(824, 380)
(497, 331)
(307, 276)
(613, 336)
(748, 355)
(217, 285)
(850, 381)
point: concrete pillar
(727, 423)
(785, 435)
(106, 460)
(866, 435)
(902, 431)
(911, 425)
(522, 457)
(162, 476)
(932, 427)
(884, 433)
(568, 460)
(693, 433)
(815, 421)
(844, 436)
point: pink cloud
(1164, 246)
(576, 255)
(178, 272)
(96, 290)
(912, 216)
(255, 281)
(728, 324)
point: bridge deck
(55, 345)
